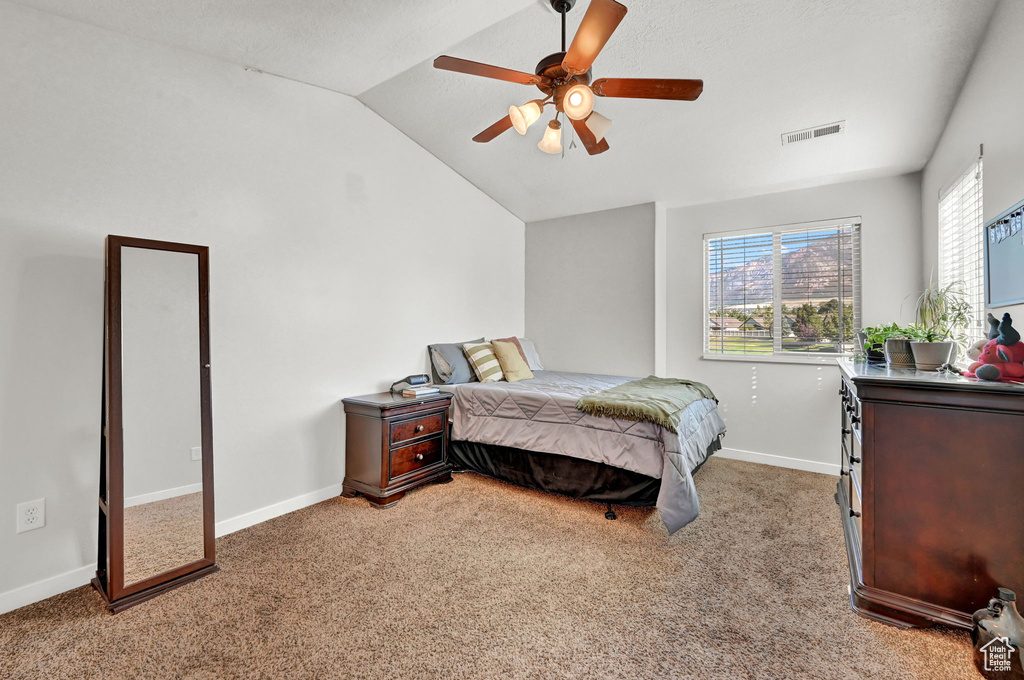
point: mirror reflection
(163, 491)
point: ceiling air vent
(813, 133)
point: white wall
(990, 111)
(313, 208)
(796, 411)
(161, 407)
(590, 291)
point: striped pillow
(485, 364)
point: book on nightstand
(420, 390)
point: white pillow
(531, 354)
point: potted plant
(874, 340)
(943, 316)
(898, 353)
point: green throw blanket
(651, 400)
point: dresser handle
(854, 419)
(419, 428)
(854, 513)
(854, 459)
(847, 430)
(419, 456)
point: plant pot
(898, 353)
(929, 356)
(874, 353)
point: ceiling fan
(564, 78)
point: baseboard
(779, 461)
(55, 585)
(162, 495)
(230, 526)
(48, 587)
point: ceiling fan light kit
(578, 101)
(598, 124)
(526, 115)
(564, 78)
(552, 140)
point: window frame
(777, 231)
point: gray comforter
(541, 415)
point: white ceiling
(892, 70)
(343, 45)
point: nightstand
(394, 444)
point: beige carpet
(162, 535)
(478, 579)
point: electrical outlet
(197, 453)
(31, 515)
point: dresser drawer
(855, 501)
(414, 428)
(407, 459)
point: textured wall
(590, 291)
(338, 249)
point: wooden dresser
(931, 493)
(394, 444)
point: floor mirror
(156, 526)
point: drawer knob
(854, 419)
(847, 430)
(854, 513)
(854, 459)
(419, 456)
(419, 428)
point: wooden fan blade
(474, 68)
(495, 130)
(648, 88)
(588, 138)
(600, 21)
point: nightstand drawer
(414, 428)
(415, 456)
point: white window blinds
(787, 290)
(961, 241)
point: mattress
(541, 415)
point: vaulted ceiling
(891, 70)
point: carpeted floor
(162, 535)
(478, 579)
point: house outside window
(787, 292)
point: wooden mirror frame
(110, 559)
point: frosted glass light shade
(552, 141)
(578, 101)
(524, 116)
(598, 124)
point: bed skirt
(575, 477)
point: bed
(530, 433)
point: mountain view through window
(786, 290)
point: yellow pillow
(512, 363)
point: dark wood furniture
(110, 569)
(394, 444)
(931, 493)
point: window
(961, 241)
(790, 291)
